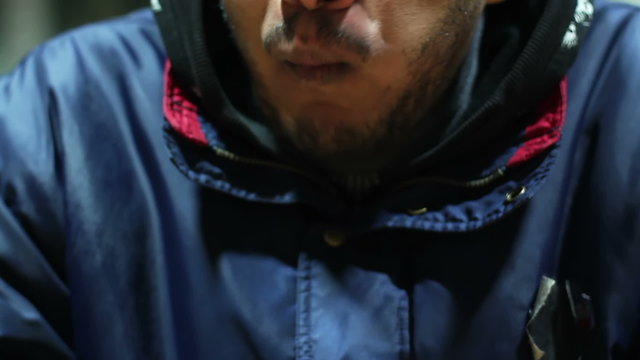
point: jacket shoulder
(66, 92)
(74, 74)
(118, 45)
(608, 58)
(621, 21)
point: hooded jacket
(515, 236)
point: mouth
(320, 72)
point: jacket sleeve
(35, 320)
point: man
(338, 179)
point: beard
(406, 128)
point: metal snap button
(415, 212)
(334, 238)
(516, 193)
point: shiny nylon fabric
(108, 252)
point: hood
(526, 49)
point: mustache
(327, 33)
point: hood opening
(521, 41)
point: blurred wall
(25, 23)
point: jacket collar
(498, 157)
(429, 203)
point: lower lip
(319, 73)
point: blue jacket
(121, 239)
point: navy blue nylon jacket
(122, 238)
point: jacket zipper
(225, 154)
(468, 184)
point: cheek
(407, 25)
(383, 87)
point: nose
(321, 4)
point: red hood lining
(182, 114)
(547, 130)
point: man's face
(346, 81)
